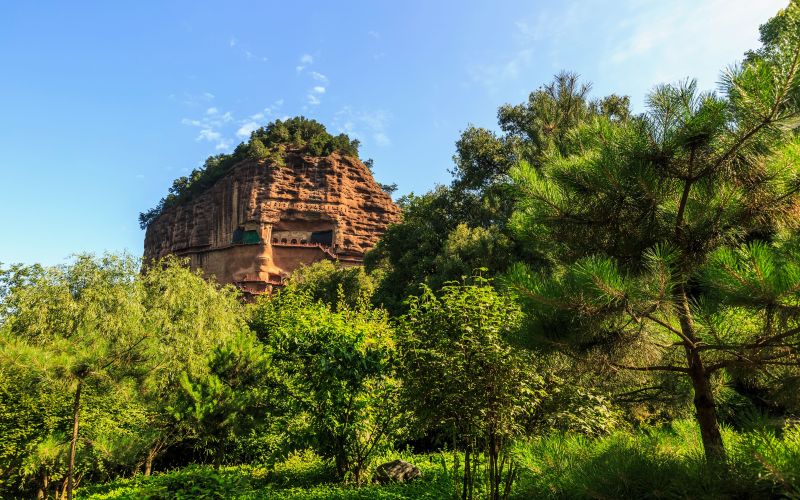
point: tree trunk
(220, 453)
(705, 408)
(148, 463)
(465, 492)
(455, 467)
(494, 481)
(74, 443)
(43, 486)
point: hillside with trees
(270, 143)
(601, 304)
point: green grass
(302, 476)
(665, 462)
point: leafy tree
(461, 375)
(31, 418)
(119, 341)
(192, 318)
(424, 247)
(82, 323)
(388, 188)
(257, 150)
(334, 284)
(230, 397)
(654, 219)
(421, 249)
(339, 376)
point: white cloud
(305, 60)
(667, 42)
(558, 26)
(211, 126)
(224, 129)
(273, 108)
(245, 51)
(246, 128)
(319, 77)
(319, 89)
(313, 99)
(195, 100)
(688, 27)
(492, 76)
(374, 34)
(364, 125)
(381, 139)
(207, 134)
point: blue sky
(104, 103)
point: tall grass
(663, 462)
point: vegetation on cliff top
(269, 142)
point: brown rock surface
(261, 221)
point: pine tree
(666, 230)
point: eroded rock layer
(261, 221)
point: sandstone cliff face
(261, 221)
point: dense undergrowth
(662, 462)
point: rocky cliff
(263, 219)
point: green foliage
(655, 257)
(662, 462)
(300, 476)
(659, 228)
(433, 246)
(230, 398)
(570, 408)
(125, 339)
(339, 375)
(269, 143)
(462, 377)
(80, 327)
(334, 284)
(458, 367)
(453, 231)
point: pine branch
(653, 368)
(767, 120)
(763, 343)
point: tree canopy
(304, 135)
(667, 228)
